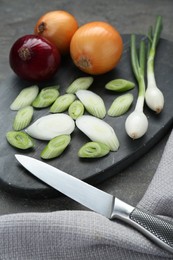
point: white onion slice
(98, 130)
(50, 126)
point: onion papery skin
(58, 27)
(34, 58)
(96, 48)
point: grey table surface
(18, 18)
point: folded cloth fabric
(80, 235)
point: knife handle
(158, 230)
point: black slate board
(16, 179)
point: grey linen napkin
(86, 235)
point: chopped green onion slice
(46, 97)
(93, 103)
(55, 147)
(80, 83)
(19, 140)
(76, 109)
(93, 150)
(119, 85)
(62, 103)
(120, 105)
(23, 118)
(25, 97)
(98, 131)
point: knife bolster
(121, 210)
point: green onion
(92, 102)
(120, 85)
(55, 147)
(25, 97)
(93, 150)
(120, 105)
(76, 109)
(136, 123)
(46, 97)
(153, 97)
(50, 126)
(80, 83)
(98, 130)
(19, 140)
(23, 118)
(62, 103)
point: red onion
(34, 58)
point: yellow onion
(58, 27)
(96, 47)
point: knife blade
(155, 228)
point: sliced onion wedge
(93, 103)
(50, 126)
(98, 131)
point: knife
(154, 227)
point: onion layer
(98, 131)
(50, 126)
